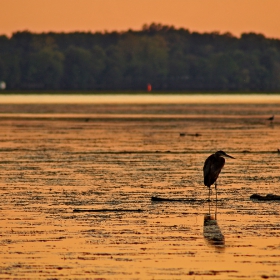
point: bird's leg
(209, 194)
(216, 190)
(216, 210)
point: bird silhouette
(212, 168)
(271, 119)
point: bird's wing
(212, 168)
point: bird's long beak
(229, 156)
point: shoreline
(140, 98)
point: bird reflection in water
(211, 230)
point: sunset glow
(234, 16)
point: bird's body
(212, 168)
(271, 118)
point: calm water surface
(58, 158)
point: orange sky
(235, 16)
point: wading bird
(271, 119)
(212, 168)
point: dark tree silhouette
(168, 58)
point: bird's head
(223, 154)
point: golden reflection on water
(59, 157)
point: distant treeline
(169, 59)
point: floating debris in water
(267, 197)
(161, 199)
(107, 210)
